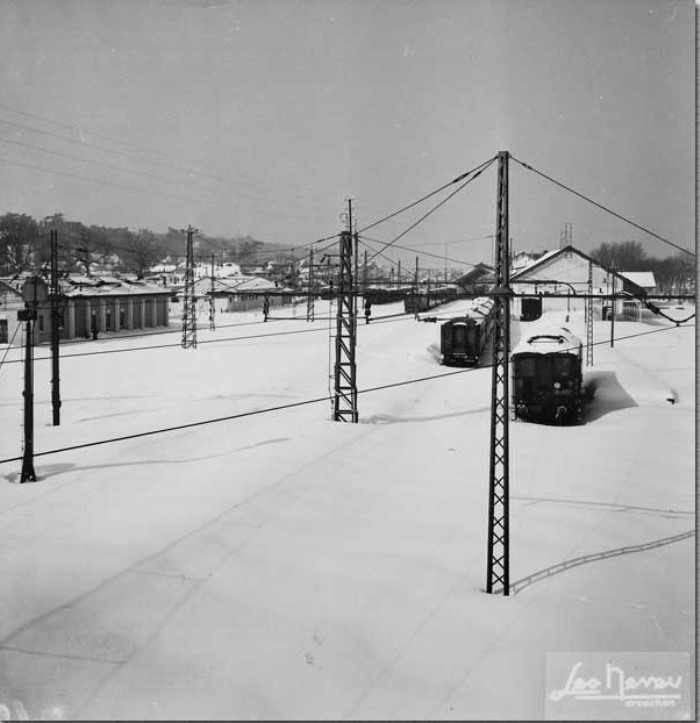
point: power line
(603, 208)
(112, 167)
(257, 198)
(185, 165)
(281, 407)
(107, 183)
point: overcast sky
(262, 117)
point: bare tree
(18, 237)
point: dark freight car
(547, 377)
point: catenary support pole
(310, 290)
(345, 377)
(28, 315)
(612, 311)
(55, 332)
(589, 317)
(497, 579)
(212, 305)
(189, 300)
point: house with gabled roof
(565, 271)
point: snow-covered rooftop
(645, 279)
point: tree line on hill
(25, 246)
(671, 273)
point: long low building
(88, 306)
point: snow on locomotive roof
(549, 340)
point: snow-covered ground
(281, 565)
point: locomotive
(547, 377)
(463, 338)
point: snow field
(285, 566)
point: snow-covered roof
(645, 279)
(76, 286)
(548, 340)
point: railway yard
(280, 565)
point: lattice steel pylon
(589, 318)
(345, 378)
(189, 306)
(310, 296)
(498, 530)
(212, 304)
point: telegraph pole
(55, 332)
(345, 398)
(212, 306)
(498, 526)
(189, 310)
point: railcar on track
(547, 377)
(463, 339)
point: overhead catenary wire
(386, 318)
(602, 207)
(418, 252)
(429, 195)
(101, 352)
(472, 175)
(291, 405)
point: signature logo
(617, 685)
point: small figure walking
(368, 310)
(266, 307)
